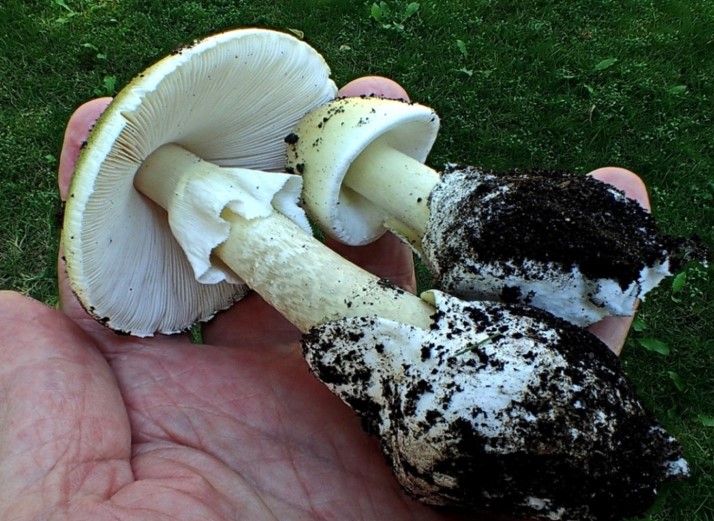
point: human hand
(99, 426)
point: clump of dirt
(558, 217)
(566, 243)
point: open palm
(114, 428)
(96, 426)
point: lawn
(570, 85)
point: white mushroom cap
(333, 137)
(230, 99)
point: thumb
(613, 330)
(62, 413)
(374, 86)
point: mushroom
(568, 244)
(230, 100)
(499, 407)
(362, 162)
(470, 377)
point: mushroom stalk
(291, 276)
(276, 257)
(398, 184)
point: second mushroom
(566, 243)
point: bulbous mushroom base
(502, 408)
(566, 243)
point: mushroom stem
(398, 184)
(276, 257)
(291, 276)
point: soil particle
(388, 285)
(292, 138)
(511, 294)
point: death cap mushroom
(230, 99)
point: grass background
(573, 85)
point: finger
(629, 182)
(613, 330)
(75, 137)
(253, 321)
(374, 86)
(64, 430)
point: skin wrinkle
(363, 480)
(67, 478)
(63, 447)
(294, 453)
(185, 474)
(199, 434)
(77, 472)
(182, 478)
(290, 455)
(273, 436)
(164, 391)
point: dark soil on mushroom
(602, 474)
(618, 483)
(554, 217)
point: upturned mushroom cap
(499, 407)
(566, 243)
(328, 140)
(230, 99)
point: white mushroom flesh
(196, 192)
(362, 164)
(306, 281)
